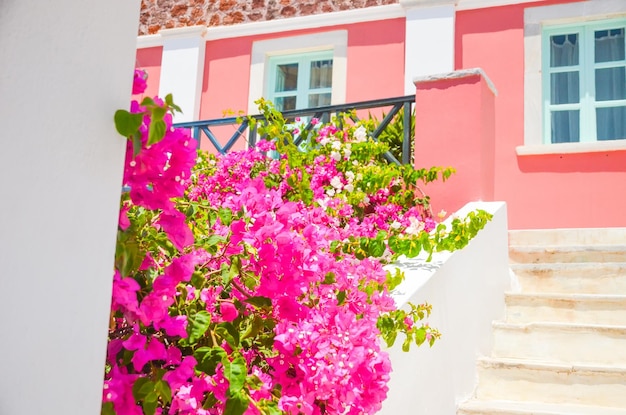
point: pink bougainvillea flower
(139, 81)
(228, 310)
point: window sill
(570, 148)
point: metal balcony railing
(200, 129)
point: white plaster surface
(65, 67)
(466, 289)
(429, 45)
(182, 68)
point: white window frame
(535, 19)
(335, 41)
(586, 69)
(303, 89)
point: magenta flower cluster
(246, 284)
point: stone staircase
(561, 349)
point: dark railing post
(406, 130)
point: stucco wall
(546, 191)
(466, 290)
(64, 71)
(167, 14)
(375, 65)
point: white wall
(65, 67)
(466, 289)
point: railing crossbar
(397, 103)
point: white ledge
(463, 73)
(571, 148)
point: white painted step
(558, 342)
(531, 408)
(524, 254)
(566, 308)
(589, 277)
(534, 381)
(565, 237)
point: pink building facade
(526, 99)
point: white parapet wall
(466, 290)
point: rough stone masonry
(168, 14)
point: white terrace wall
(65, 67)
(466, 289)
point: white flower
(366, 199)
(415, 227)
(360, 134)
(395, 225)
(349, 187)
(336, 183)
(330, 192)
(347, 152)
(336, 145)
(324, 141)
(335, 155)
(349, 176)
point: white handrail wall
(466, 289)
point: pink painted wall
(375, 66)
(569, 190)
(150, 60)
(443, 108)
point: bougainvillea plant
(248, 284)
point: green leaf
(147, 102)
(156, 131)
(170, 103)
(329, 278)
(208, 358)
(107, 409)
(406, 344)
(259, 301)
(376, 248)
(225, 215)
(158, 113)
(236, 404)
(128, 254)
(235, 372)
(136, 143)
(198, 325)
(341, 297)
(229, 333)
(420, 336)
(150, 404)
(164, 391)
(142, 388)
(126, 123)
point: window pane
(285, 103)
(609, 45)
(565, 126)
(286, 77)
(321, 74)
(564, 50)
(610, 84)
(611, 123)
(564, 88)
(319, 100)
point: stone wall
(167, 14)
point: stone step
(475, 407)
(558, 342)
(589, 277)
(566, 308)
(524, 254)
(568, 237)
(536, 381)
